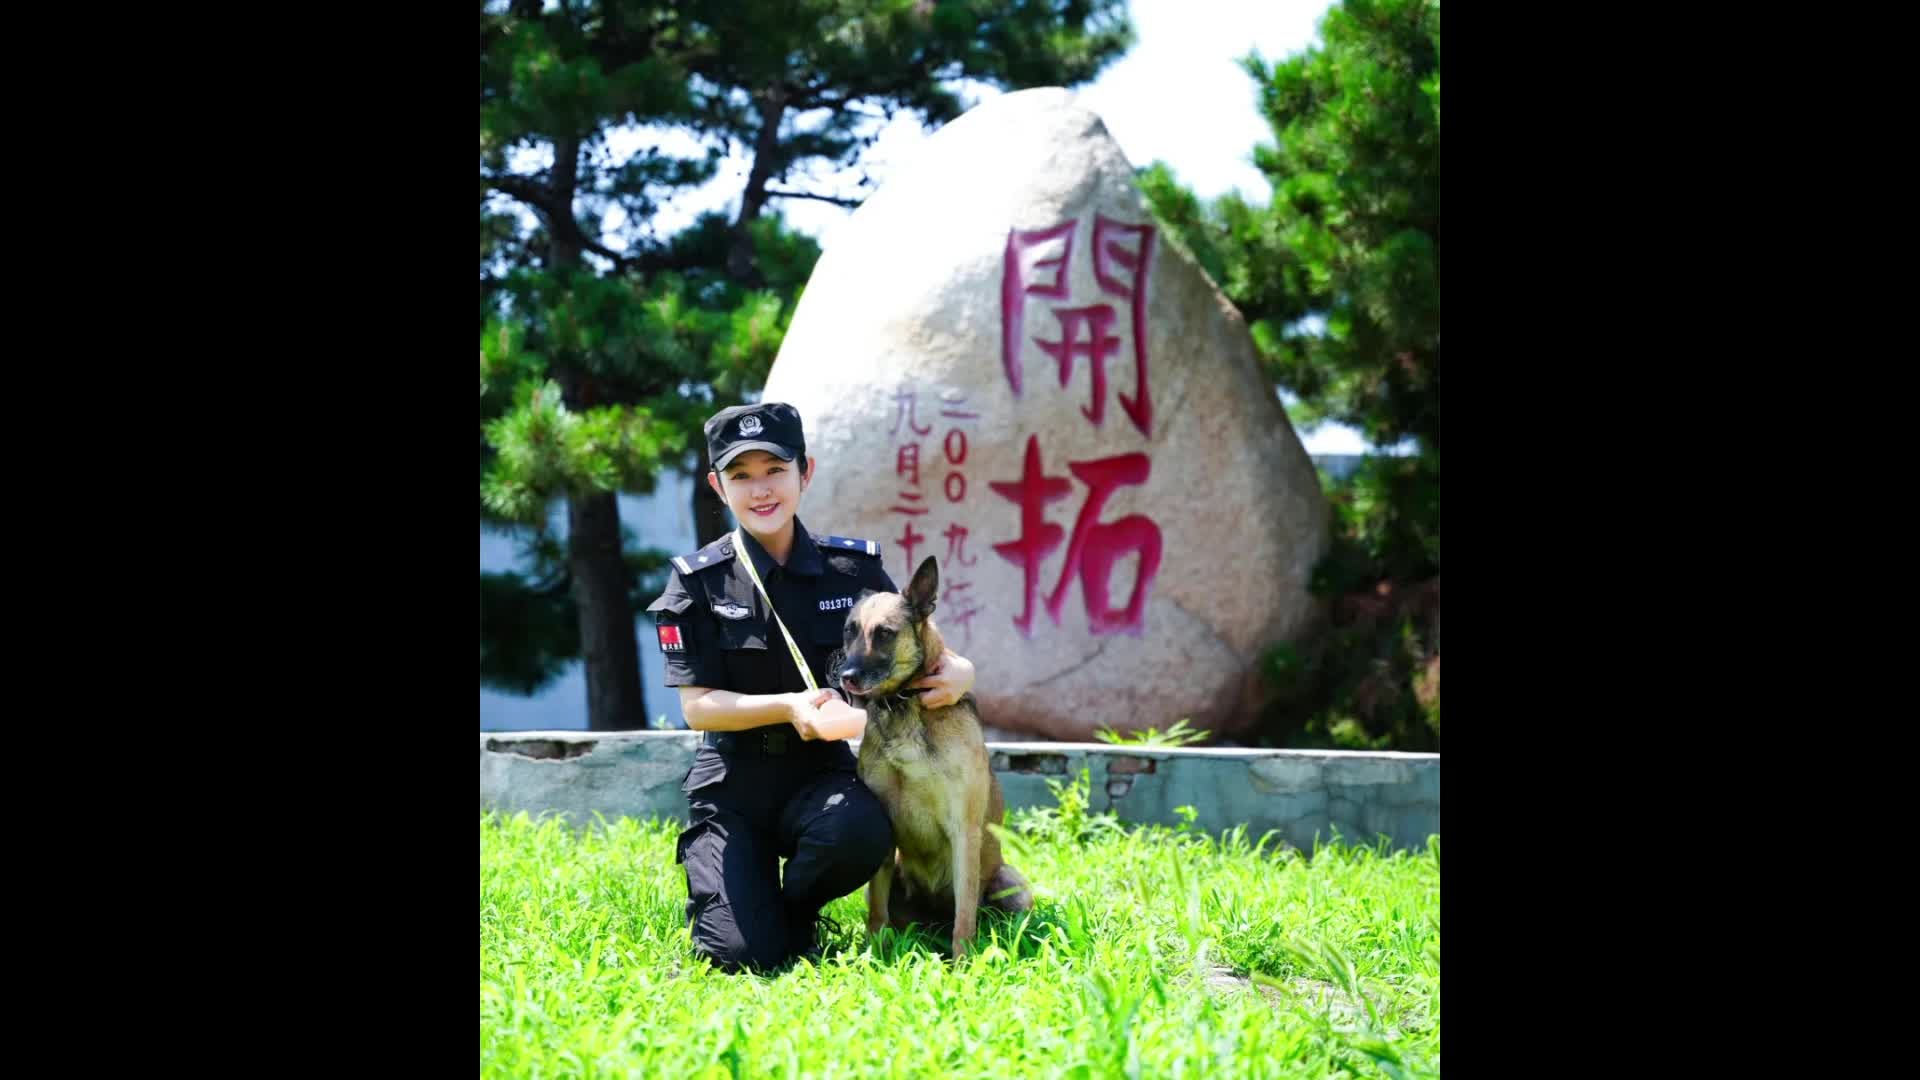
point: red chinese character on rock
(956, 535)
(1122, 256)
(1095, 545)
(1023, 258)
(908, 540)
(950, 402)
(1110, 261)
(906, 462)
(959, 612)
(905, 408)
(1095, 320)
(1033, 491)
(954, 445)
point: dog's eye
(883, 634)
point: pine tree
(1339, 279)
(603, 345)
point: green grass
(1151, 952)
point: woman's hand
(948, 682)
(806, 712)
(823, 715)
(841, 720)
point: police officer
(764, 785)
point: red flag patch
(670, 639)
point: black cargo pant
(750, 807)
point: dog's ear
(922, 590)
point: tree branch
(540, 197)
(772, 108)
(620, 262)
(835, 199)
(647, 262)
(525, 188)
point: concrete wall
(1301, 793)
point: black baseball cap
(772, 426)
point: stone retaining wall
(1300, 793)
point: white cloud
(1180, 95)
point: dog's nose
(850, 674)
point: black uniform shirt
(714, 627)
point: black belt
(777, 741)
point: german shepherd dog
(930, 769)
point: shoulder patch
(713, 554)
(850, 543)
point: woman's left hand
(948, 682)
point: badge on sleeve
(670, 638)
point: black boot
(806, 934)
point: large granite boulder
(1001, 362)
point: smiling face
(762, 491)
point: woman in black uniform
(765, 783)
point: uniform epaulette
(849, 543)
(712, 555)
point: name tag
(836, 605)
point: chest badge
(727, 610)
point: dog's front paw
(874, 925)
